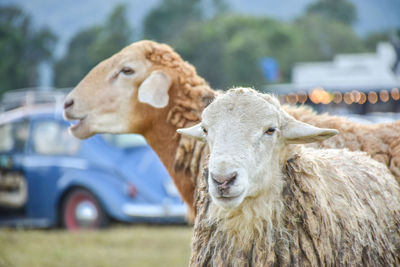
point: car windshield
(125, 140)
(6, 140)
(13, 136)
(52, 138)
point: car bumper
(155, 211)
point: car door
(13, 183)
(51, 152)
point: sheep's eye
(127, 71)
(270, 131)
(204, 130)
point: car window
(13, 136)
(6, 140)
(125, 140)
(52, 138)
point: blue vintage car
(49, 178)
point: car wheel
(81, 210)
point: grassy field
(120, 246)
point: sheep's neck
(164, 140)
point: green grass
(118, 246)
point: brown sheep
(269, 200)
(147, 88)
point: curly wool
(326, 211)
(380, 141)
(190, 94)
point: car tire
(81, 210)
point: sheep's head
(247, 132)
(108, 99)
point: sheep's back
(342, 208)
(380, 141)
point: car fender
(109, 190)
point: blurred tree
(373, 39)
(89, 46)
(22, 49)
(166, 21)
(220, 6)
(321, 39)
(340, 10)
(114, 35)
(78, 60)
(227, 49)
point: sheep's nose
(224, 181)
(68, 103)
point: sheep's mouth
(225, 198)
(228, 201)
(228, 198)
(78, 127)
(76, 123)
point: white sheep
(273, 201)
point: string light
(326, 98)
(372, 97)
(302, 97)
(291, 99)
(314, 96)
(356, 96)
(319, 95)
(384, 96)
(337, 97)
(395, 94)
(348, 98)
(363, 99)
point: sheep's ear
(195, 132)
(296, 132)
(154, 90)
